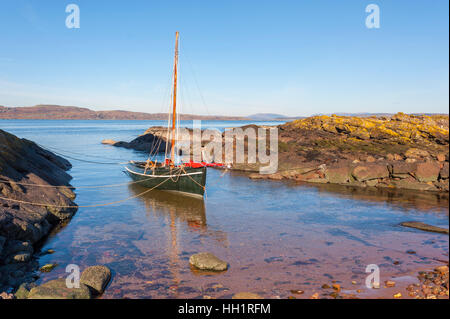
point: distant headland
(58, 112)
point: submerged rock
(96, 278)
(425, 227)
(48, 267)
(207, 261)
(246, 295)
(57, 289)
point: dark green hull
(187, 180)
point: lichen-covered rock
(96, 278)
(416, 153)
(24, 290)
(57, 289)
(207, 261)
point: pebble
(297, 292)
(389, 283)
(337, 287)
(442, 269)
(48, 267)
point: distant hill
(376, 114)
(58, 112)
(271, 117)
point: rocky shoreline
(23, 226)
(401, 151)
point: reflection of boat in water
(176, 208)
(183, 208)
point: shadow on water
(405, 199)
(399, 198)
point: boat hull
(188, 180)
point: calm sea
(275, 235)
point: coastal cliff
(24, 166)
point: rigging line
(51, 148)
(85, 206)
(73, 187)
(195, 80)
(87, 161)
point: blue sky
(236, 57)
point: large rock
(427, 172)
(207, 261)
(146, 142)
(411, 183)
(23, 166)
(402, 169)
(368, 172)
(23, 162)
(338, 175)
(57, 289)
(96, 278)
(24, 290)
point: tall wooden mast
(174, 112)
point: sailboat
(188, 178)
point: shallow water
(276, 236)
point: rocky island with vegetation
(399, 151)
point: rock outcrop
(24, 166)
(146, 142)
(401, 151)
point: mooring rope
(84, 206)
(74, 187)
